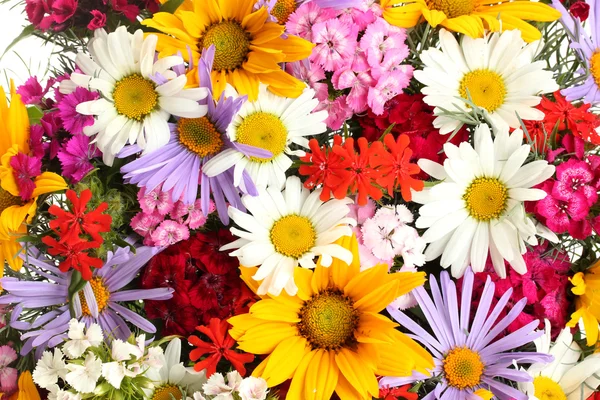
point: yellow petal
(263, 338)
(273, 310)
(294, 47)
(255, 21)
(322, 376)
(434, 17)
(241, 323)
(284, 360)
(374, 328)
(296, 391)
(346, 391)
(401, 357)
(27, 389)
(406, 16)
(340, 272)
(303, 277)
(48, 182)
(357, 372)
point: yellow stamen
(232, 44)
(547, 389)
(293, 235)
(199, 135)
(486, 88)
(452, 8)
(283, 9)
(485, 198)
(167, 392)
(263, 130)
(328, 320)
(101, 293)
(463, 368)
(135, 97)
(595, 66)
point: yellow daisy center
(547, 389)
(328, 320)
(199, 136)
(8, 200)
(452, 8)
(487, 89)
(101, 293)
(264, 130)
(293, 235)
(485, 198)
(135, 97)
(166, 391)
(283, 9)
(232, 44)
(595, 66)
(463, 368)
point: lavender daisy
(194, 141)
(587, 45)
(98, 302)
(468, 356)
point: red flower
(98, 21)
(220, 347)
(361, 177)
(179, 316)
(205, 249)
(395, 167)
(25, 170)
(130, 11)
(75, 255)
(577, 119)
(73, 224)
(387, 393)
(323, 167)
(580, 10)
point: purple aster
(73, 121)
(98, 302)
(586, 43)
(178, 165)
(469, 354)
(75, 157)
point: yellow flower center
(200, 136)
(293, 235)
(463, 368)
(283, 9)
(8, 200)
(328, 320)
(135, 97)
(264, 130)
(101, 293)
(547, 389)
(485, 198)
(232, 44)
(595, 66)
(452, 8)
(166, 391)
(486, 88)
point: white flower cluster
(215, 388)
(87, 365)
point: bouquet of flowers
(303, 199)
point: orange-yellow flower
(586, 286)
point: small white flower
(253, 388)
(155, 357)
(58, 394)
(84, 378)
(122, 351)
(216, 385)
(79, 341)
(49, 368)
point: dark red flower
(178, 315)
(25, 170)
(165, 271)
(580, 10)
(62, 10)
(130, 11)
(221, 346)
(72, 224)
(98, 20)
(205, 249)
(74, 252)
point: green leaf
(170, 6)
(35, 115)
(77, 284)
(28, 30)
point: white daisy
(287, 229)
(566, 377)
(172, 376)
(478, 209)
(272, 123)
(138, 95)
(498, 72)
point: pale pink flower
(357, 17)
(384, 236)
(335, 44)
(170, 232)
(301, 22)
(379, 38)
(144, 224)
(388, 87)
(155, 200)
(358, 83)
(194, 218)
(8, 376)
(392, 63)
(310, 73)
(338, 111)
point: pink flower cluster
(8, 375)
(572, 193)
(544, 285)
(163, 222)
(365, 73)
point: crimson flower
(75, 255)
(395, 166)
(25, 170)
(221, 346)
(72, 224)
(401, 392)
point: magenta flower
(144, 224)
(74, 122)
(574, 176)
(155, 200)
(335, 44)
(337, 110)
(98, 20)
(562, 215)
(32, 92)
(75, 157)
(170, 232)
(51, 122)
(358, 17)
(301, 22)
(8, 376)
(25, 169)
(359, 85)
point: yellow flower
(27, 389)
(586, 286)
(330, 336)
(14, 211)
(471, 17)
(484, 394)
(248, 49)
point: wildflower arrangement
(303, 199)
